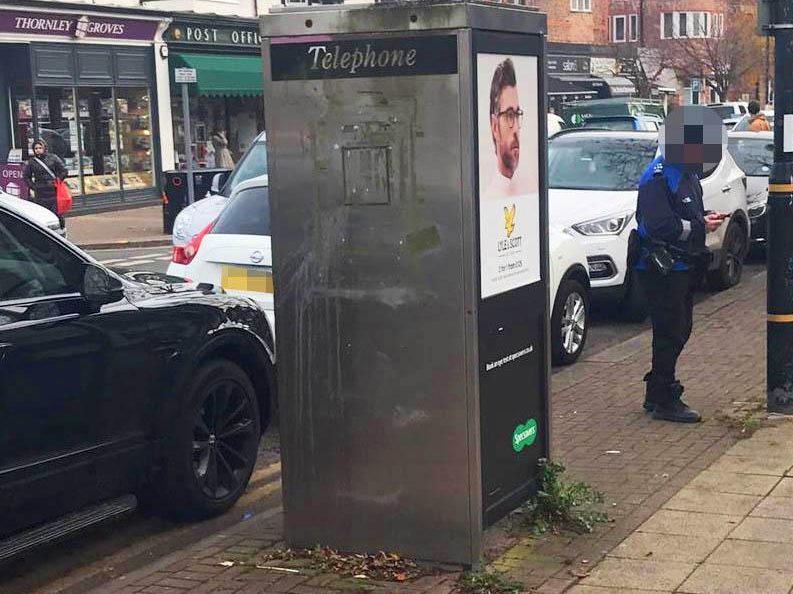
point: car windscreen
(753, 155)
(252, 164)
(724, 111)
(598, 163)
(247, 214)
(621, 124)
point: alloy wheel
(573, 323)
(224, 439)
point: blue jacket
(670, 210)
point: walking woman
(40, 174)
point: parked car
(743, 124)
(33, 212)
(593, 179)
(754, 154)
(647, 122)
(570, 296)
(730, 111)
(113, 388)
(235, 253)
(198, 215)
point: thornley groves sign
(76, 26)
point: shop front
(569, 79)
(84, 83)
(226, 108)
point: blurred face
(38, 149)
(505, 127)
(693, 138)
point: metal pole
(780, 221)
(767, 69)
(188, 143)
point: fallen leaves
(381, 566)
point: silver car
(195, 217)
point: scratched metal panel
(370, 314)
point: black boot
(675, 409)
(653, 393)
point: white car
(33, 212)
(730, 111)
(593, 181)
(235, 253)
(570, 296)
(198, 215)
(754, 154)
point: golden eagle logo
(509, 220)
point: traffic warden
(668, 248)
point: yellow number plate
(247, 278)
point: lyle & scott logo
(509, 219)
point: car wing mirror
(217, 181)
(101, 287)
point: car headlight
(613, 225)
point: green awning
(224, 75)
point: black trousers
(46, 197)
(671, 303)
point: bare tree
(643, 66)
(723, 57)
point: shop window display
(98, 126)
(135, 142)
(102, 134)
(218, 122)
(56, 118)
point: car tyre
(734, 250)
(634, 306)
(212, 453)
(569, 322)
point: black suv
(112, 389)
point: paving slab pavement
(706, 551)
(136, 227)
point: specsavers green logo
(524, 435)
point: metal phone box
(409, 235)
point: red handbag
(63, 197)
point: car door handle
(726, 189)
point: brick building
(576, 21)
(660, 28)
(581, 64)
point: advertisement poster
(509, 210)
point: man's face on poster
(505, 126)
